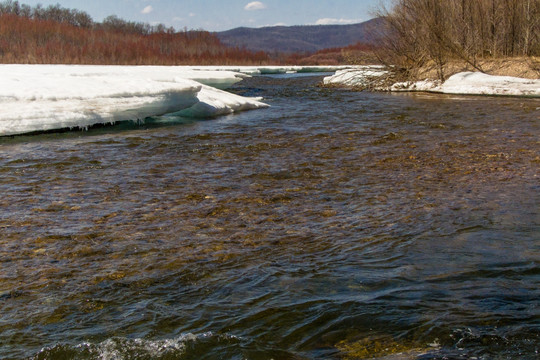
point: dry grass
(523, 67)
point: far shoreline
(502, 77)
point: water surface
(333, 225)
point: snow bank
(205, 75)
(215, 103)
(357, 76)
(475, 83)
(269, 70)
(47, 97)
(469, 83)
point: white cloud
(255, 5)
(147, 10)
(329, 21)
(192, 14)
(271, 25)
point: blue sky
(218, 15)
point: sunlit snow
(470, 83)
(358, 76)
(475, 83)
(47, 97)
(269, 70)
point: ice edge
(37, 98)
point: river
(332, 225)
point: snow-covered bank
(469, 83)
(48, 97)
(475, 83)
(204, 75)
(359, 76)
(270, 70)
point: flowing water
(333, 225)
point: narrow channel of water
(333, 225)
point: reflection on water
(333, 225)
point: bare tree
(434, 31)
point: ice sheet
(268, 70)
(46, 97)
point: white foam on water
(123, 349)
(118, 350)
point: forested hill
(300, 39)
(57, 35)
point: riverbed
(332, 225)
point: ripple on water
(387, 226)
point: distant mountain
(300, 39)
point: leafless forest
(56, 35)
(433, 32)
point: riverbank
(511, 77)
